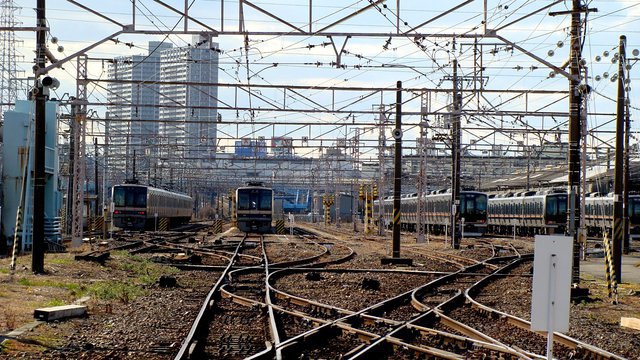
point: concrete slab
(630, 268)
(59, 312)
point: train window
(118, 196)
(130, 196)
(265, 200)
(254, 200)
(634, 207)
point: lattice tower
(9, 84)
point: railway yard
(319, 293)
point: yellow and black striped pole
(164, 224)
(16, 243)
(369, 204)
(612, 284)
(280, 226)
(327, 201)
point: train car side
(528, 214)
(139, 207)
(599, 215)
(436, 212)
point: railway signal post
(397, 184)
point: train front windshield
(556, 208)
(129, 196)
(473, 207)
(634, 209)
(254, 199)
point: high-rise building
(133, 112)
(188, 114)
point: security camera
(50, 82)
(397, 134)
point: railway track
(298, 296)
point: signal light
(116, 212)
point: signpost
(551, 286)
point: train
(254, 208)
(437, 209)
(142, 207)
(598, 214)
(527, 213)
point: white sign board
(551, 283)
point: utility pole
(618, 208)
(397, 183)
(96, 186)
(575, 103)
(397, 173)
(626, 248)
(455, 158)
(72, 151)
(382, 144)
(37, 259)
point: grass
(75, 290)
(61, 261)
(145, 271)
(116, 290)
(139, 273)
(55, 302)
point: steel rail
(193, 338)
(364, 353)
(273, 324)
(343, 322)
(585, 349)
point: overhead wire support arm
(445, 13)
(537, 58)
(97, 13)
(350, 16)
(77, 53)
(528, 15)
(269, 14)
(186, 16)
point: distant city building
(188, 112)
(282, 146)
(251, 148)
(171, 121)
(133, 111)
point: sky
(366, 62)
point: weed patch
(116, 290)
(55, 302)
(146, 272)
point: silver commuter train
(254, 208)
(138, 207)
(528, 213)
(437, 209)
(598, 215)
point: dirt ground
(124, 280)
